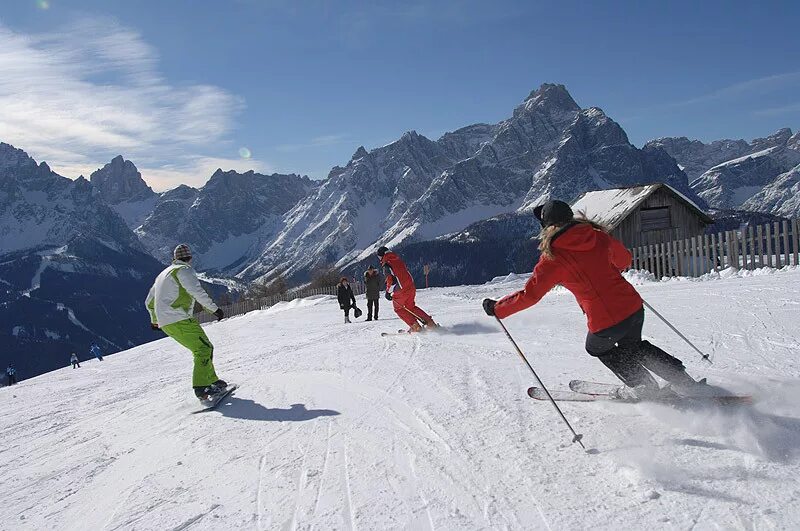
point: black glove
(219, 313)
(154, 326)
(388, 295)
(488, 306)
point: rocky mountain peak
(119, 181)
(359, 154)
(778, 138)
(550, 97)
(794, 142)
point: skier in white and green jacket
(170, 303)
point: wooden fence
(770, 245)
(248, 305)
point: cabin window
(655, 219)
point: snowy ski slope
(335, 427)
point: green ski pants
(191, 335)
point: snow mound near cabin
(335, 427)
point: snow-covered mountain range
(760, 176)
(227, 222)
(417, 189)
(71, 270)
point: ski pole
(704, 356)
(577, 436)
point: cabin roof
(611, 207)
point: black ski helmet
(382, 250)
(554, 212)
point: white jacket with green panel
(171, 299)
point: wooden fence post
(656, 261)
(768, 235)
(796, 231)
(786, 260)
(714, 253)
(664, 260)
(778, 261)
(760, 238)
(676, 268)
(749, 250)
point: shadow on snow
(249, 410)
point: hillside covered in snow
(335, 427)
(757, 176)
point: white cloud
(778, 111)
(758, 86)
(80, 96)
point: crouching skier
(581, 256)
(401, 291)
(170, 303)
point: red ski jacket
(398, 272)
(588, 262)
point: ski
(592, 388)
(398, 333)
(537, 393)
(575, 396)
(212, 403)
(713, 393)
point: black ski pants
(621, 349)
(372, 309)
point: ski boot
(207, 392)
(414, 328)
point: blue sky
(181, 86)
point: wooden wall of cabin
(684, 222)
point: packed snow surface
(336, 427)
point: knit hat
(382, 251)
(182, 252)
(553, 212)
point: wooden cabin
(644, 215)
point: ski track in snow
(335, 427)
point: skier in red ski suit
(581, 256)
(401, 291)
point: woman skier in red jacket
(581, 256)
(401, 291)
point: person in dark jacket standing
(581, 256)
(401, 291)
(346, 298)
(372, 281)
(11, 372)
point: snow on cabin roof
(610, 207)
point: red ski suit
(587, 262)
(400, 284)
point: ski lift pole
(576, 436)
(704, 356)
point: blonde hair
(547, 233)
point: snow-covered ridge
(735, 174)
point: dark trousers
(621, 349)
(12, 379)
(372, 303)
(75, 364)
